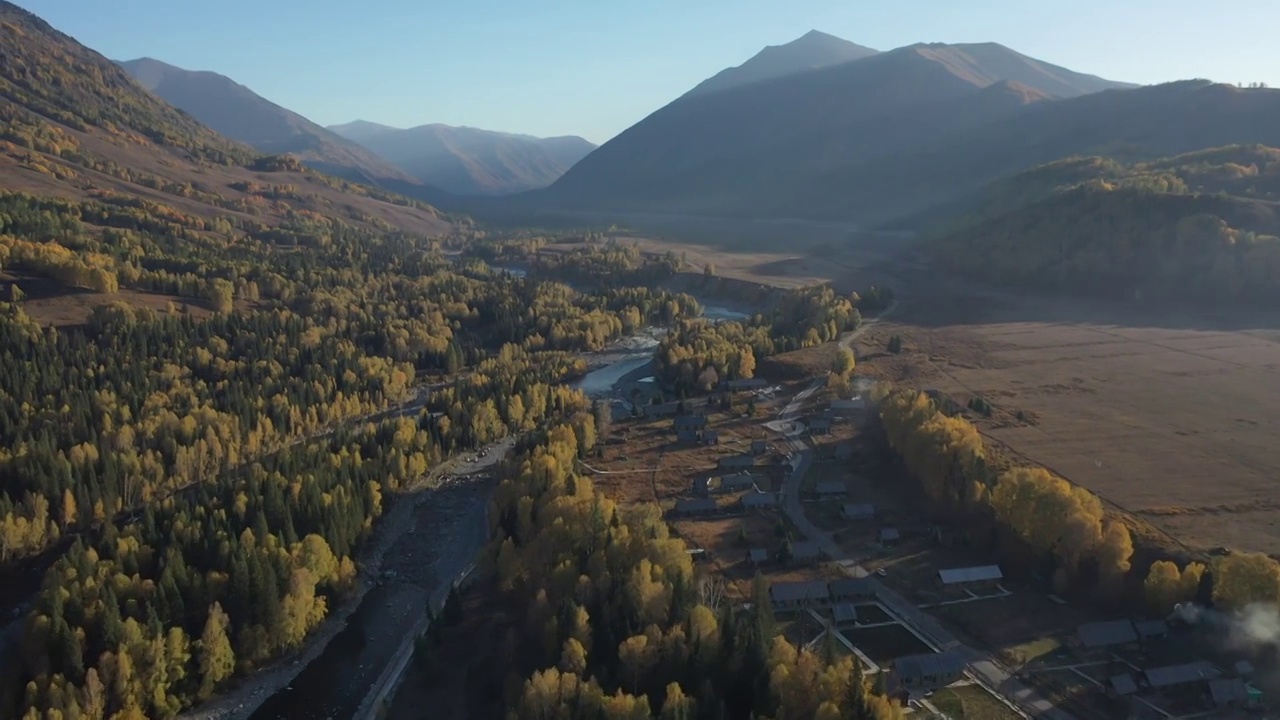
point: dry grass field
(52, 303)
(1172, 418)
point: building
(731, 462)
(757, 500)
(737, 483)
(688, 437)
(1106, 634)
(858, 511)
(798, 595)
(710, 437)
(689, 422)
(831, 488)
(759, 447)
(889, 535)
(660, 410)
(970, 577)
(820, 426)
(750, 384)
(700, 507)
(849, 590)
(1185, 675)
(701, 486)
(927, 672)
(757, 556)
(805, 551)
(1233, 693)
(844, 614)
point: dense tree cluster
(1204, 226)
(613, 623)
(1061, 525)
(698, 354)
(584, 261)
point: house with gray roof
(735, 462)
(853, 589)
(1181, 675)
(699, 507)
(927, 672)
(969, 577)
(797, 595)
(757, 500)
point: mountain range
(744, 148)
(429, 162)
(470, 161)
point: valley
(849, 382)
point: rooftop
(889, 534)
(1179, 674)
(980, 573)
(1228, 691)
(1104, 634)
(931, 665)
(758, 555)
(844, 613)
(849, 587)
(809, 590)
(831, 487)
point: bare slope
(811, 51)
(470, 161)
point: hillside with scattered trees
(1203, 226)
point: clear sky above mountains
(593, 68)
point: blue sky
(594, 67)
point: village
(786, 485)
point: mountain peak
(815, 49)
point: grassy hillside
(1203, 225)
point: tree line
(614, 622)
(1060, 528)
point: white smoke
(1254, 627)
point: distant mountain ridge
(237, 112)
(470, 161)
(811, 51)
(744, 149)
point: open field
(1172, 419)
(52, 303)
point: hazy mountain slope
(811, 51)
(1136, 124)
(75, 125)
(741, 149)
(1202, 225)
(238, 113)
(470, 161)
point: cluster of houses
(1195, 678)
(836, 411)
